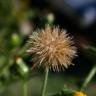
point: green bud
(23, 69)
(50, 18)
(15, 39)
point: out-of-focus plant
(12, 42)
(91, 51)
(69, 92)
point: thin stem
(24, 88)
(89, 77)
(45, 82)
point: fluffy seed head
(51, 47)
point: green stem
(89, 77)
(45, 82)
(24, 87)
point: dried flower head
(51, 47)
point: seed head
(51, 47)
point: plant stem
(45, 82)
(89, 77)
(24, 87)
